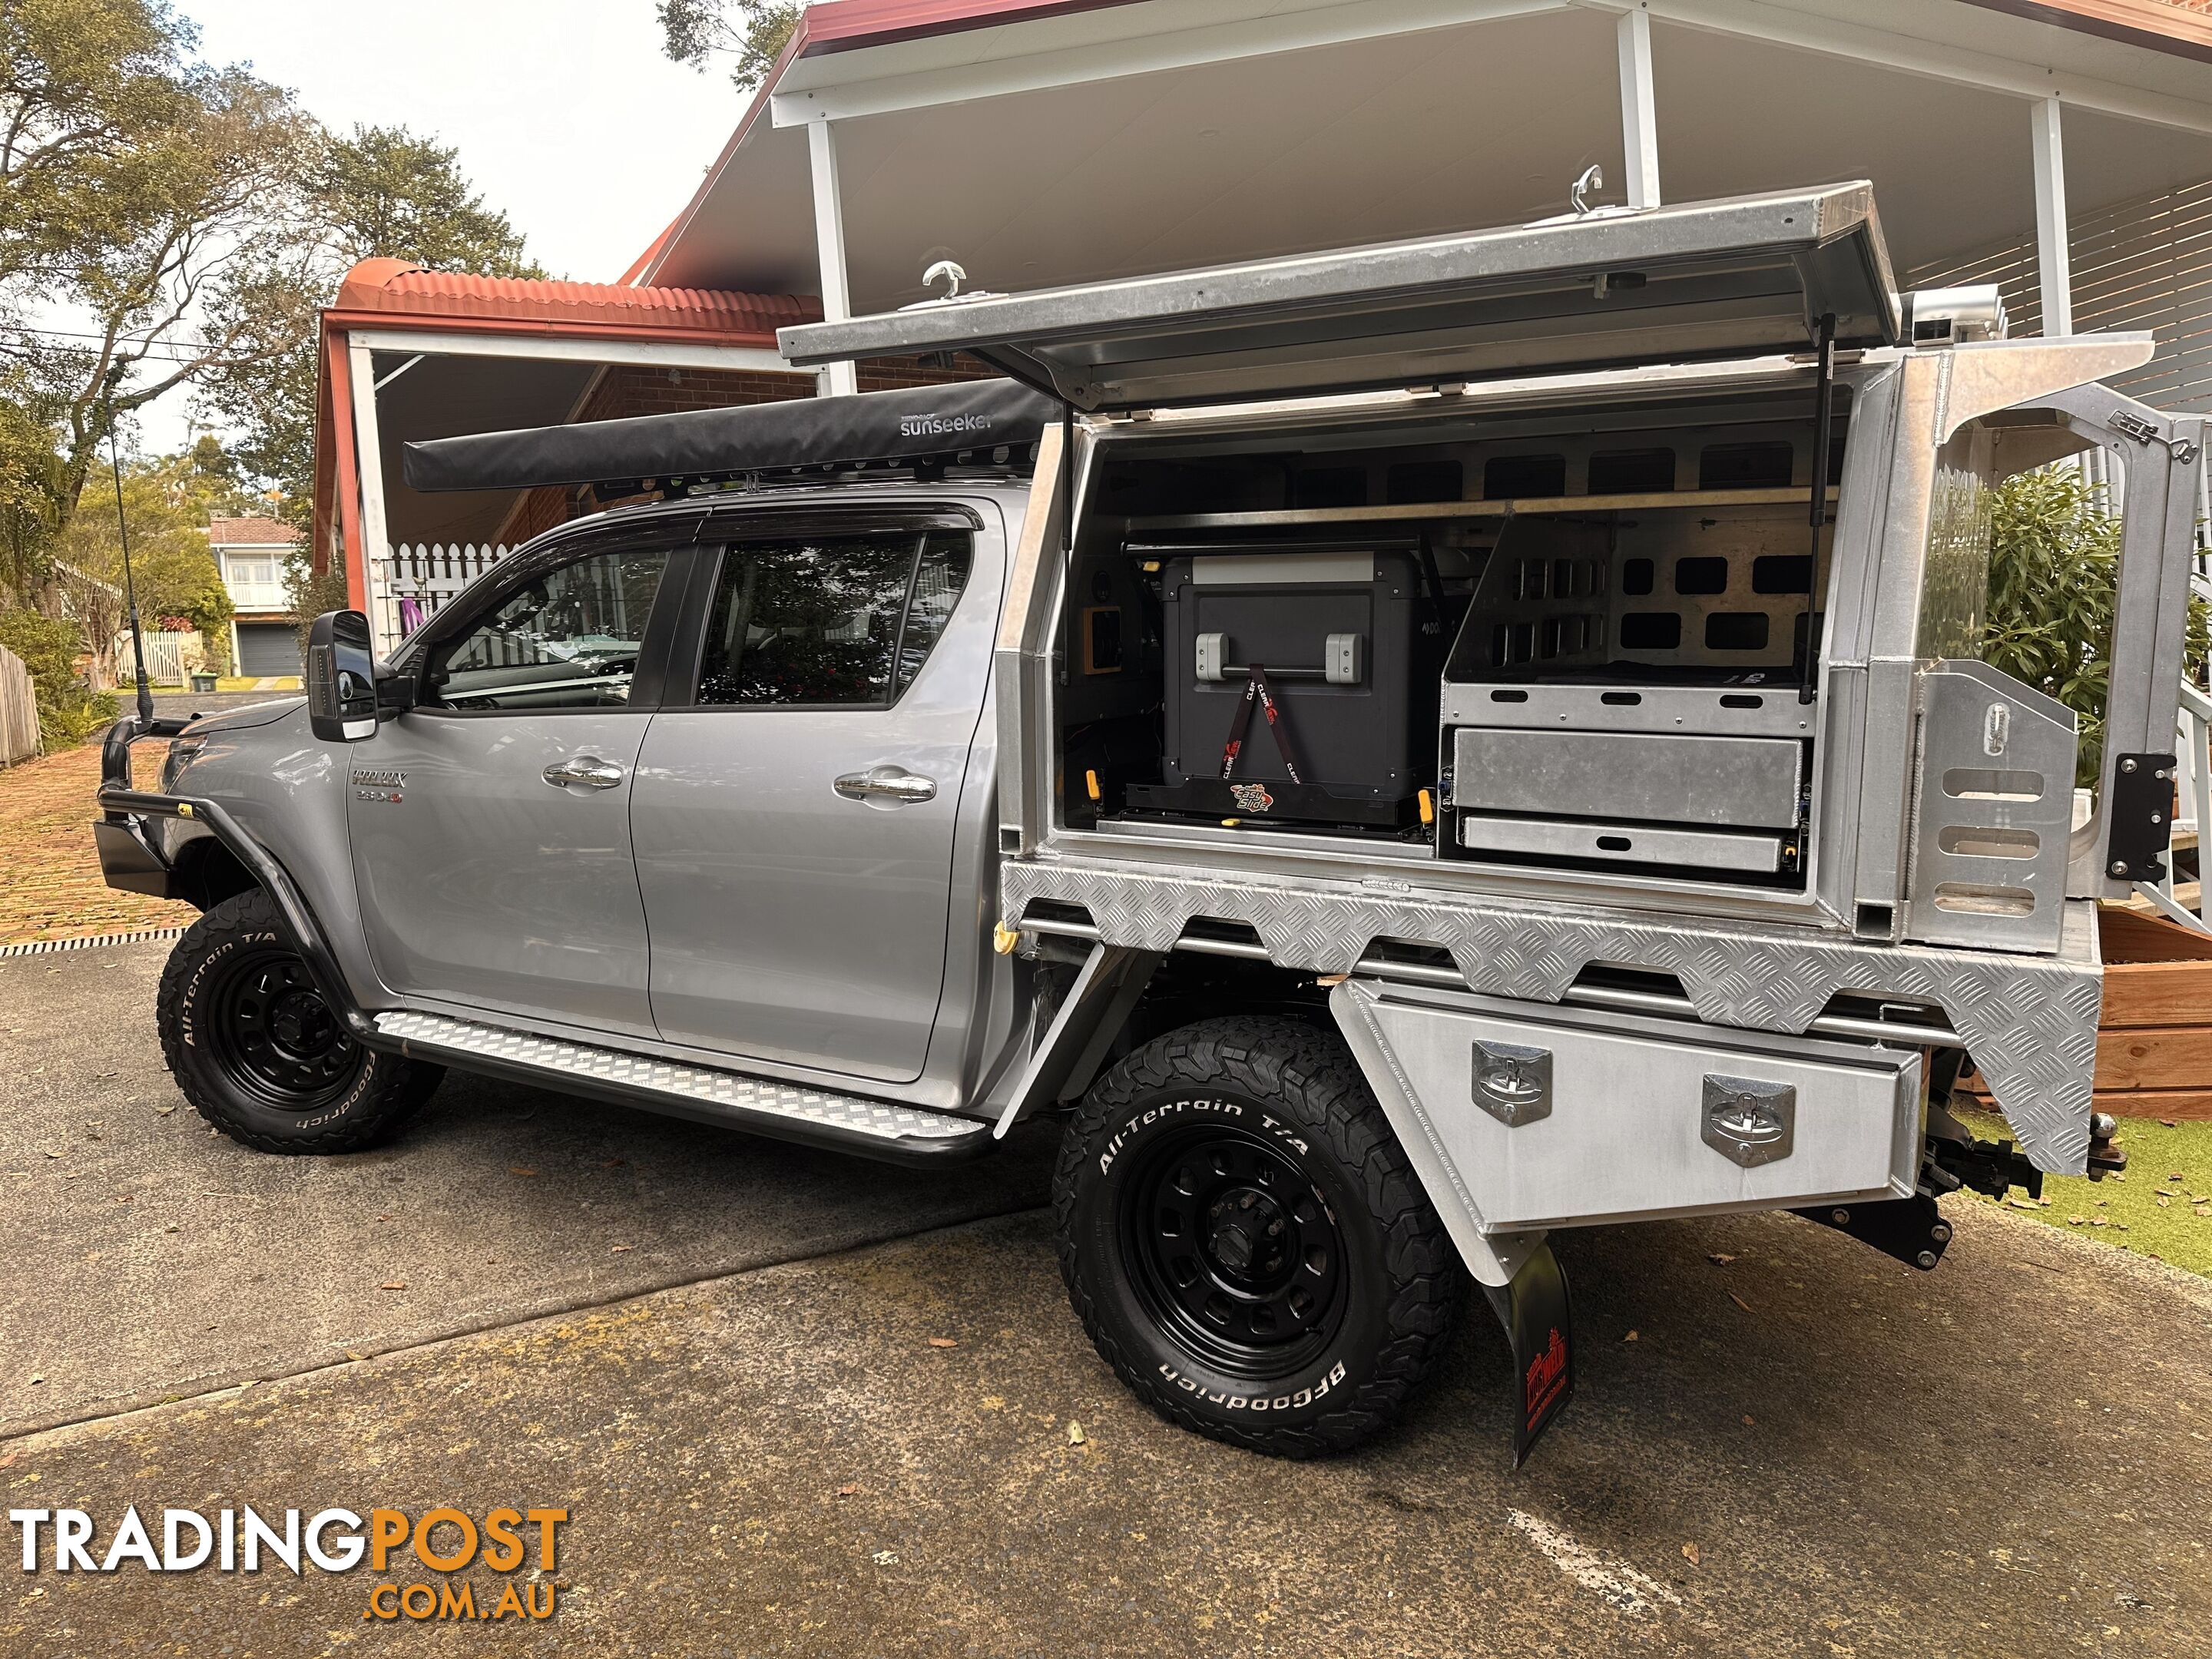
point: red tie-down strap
(1257, 691)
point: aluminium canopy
(1739, 277)
(915, 424)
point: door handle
(890, 783)
(584, 771)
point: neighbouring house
(251, 553)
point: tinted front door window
(568, 639)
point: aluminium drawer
(1750, 783)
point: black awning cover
(911, 424)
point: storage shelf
(1415, 511)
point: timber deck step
(769, 1106)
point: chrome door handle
(584, 771)
(891, 783)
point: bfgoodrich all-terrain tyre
(259, 1054)
(1242, 1237)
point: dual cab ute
(1403, 750)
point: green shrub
(310, 594)
(67, 713)
(2053, 567)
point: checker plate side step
(768, 1106)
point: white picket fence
(169, 657)
(428, 575)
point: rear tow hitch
(2104, 1157)
(1910, 1229)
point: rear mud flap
(1539, 1321)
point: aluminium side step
(785, 1111)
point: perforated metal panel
(1993, 811)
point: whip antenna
(130, 588)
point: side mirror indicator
(342, 677)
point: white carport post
(829, 245)
(2054, 264)
(1639, 123)
(368, 466)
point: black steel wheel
(270, 1028)
(1244, 1239)
(261, 1055)
(1235, 1251)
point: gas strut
(1823, 396)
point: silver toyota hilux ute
(1403, 750)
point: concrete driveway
(800, 1447)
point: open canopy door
(1738, 277)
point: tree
(133, 180)
(166, 503)
(386, 192)
(752, 34)
(84, 85)
(383, 192)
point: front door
(794, 825)
(490, 824)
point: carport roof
(1046, 142)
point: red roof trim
(848, 25)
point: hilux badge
(379, 786)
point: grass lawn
(2146, 1209)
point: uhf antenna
(130, 588)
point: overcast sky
(567, 117)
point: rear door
(794, 823)
(1740, 277)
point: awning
(878, 427)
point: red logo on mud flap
(1547, 1375)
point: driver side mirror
(347, 688)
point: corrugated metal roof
(250, 532)
(395, 287)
